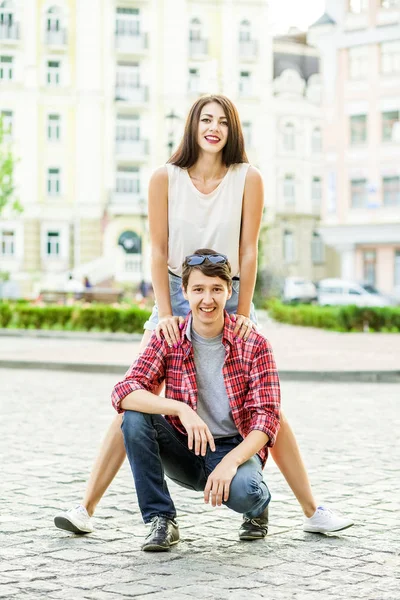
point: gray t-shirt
(213, 402)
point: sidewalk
(301, 353)
(51, 427)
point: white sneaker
(76, 520)
(324, 520)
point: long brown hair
(188, 151)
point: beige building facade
(291, 241)
(94, 97)
(359, 43)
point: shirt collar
(227, 332)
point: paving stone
(65, 429)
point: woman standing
(207, 196)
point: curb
(97, 336)
(285, 375)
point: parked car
(342, 292)
(298, 290)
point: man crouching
(221, 411)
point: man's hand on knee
(218, 483)
(198, 433)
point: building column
(347, 261)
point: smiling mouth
(212, 139)
(207, 310)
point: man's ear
(229, 291)
(184, 293)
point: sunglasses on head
(198, 259)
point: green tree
(7, 166)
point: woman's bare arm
(158, 225)
(253, 204)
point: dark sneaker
(256, 528)
(164, 533)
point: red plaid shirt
(250, 375)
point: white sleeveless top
(197, 220)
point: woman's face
(213, 128)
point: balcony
(248, 50)
(9, 33)
(127, 203)
(132, 44)
(198, 49)
(56, 38)
(130, 94)
(132, 150)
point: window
(195, 30)
(127, 21)
(247, 129)
(391, 126)
(6, 14)
(128, 75)
(6, 68)
(288, 247)
(316, 140)
(53, 127)
(194, 81)
(289, 189)
(128, 128)
(397, 268)
(359, 193)
(317, 248)
(391, 190)
(369, 266)
(7, 243)
(128, 180)
(53, 72)
(358, 6)
(358, 62)
(390, 3)
(245, 31)
(53, 243)
(316, 193)
(289, 136)
(390, 57)
(53, 19)
(7, 120)
(53, 181)
(358, 129)
(245, 83)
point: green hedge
(337, 318)
(73, 318)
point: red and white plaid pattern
(250, 375)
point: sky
(297, 13)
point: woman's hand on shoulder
(170, 327)
(243, 326)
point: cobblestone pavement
(52, 424)
(295, 348)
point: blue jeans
(156, 449)
(180, 306)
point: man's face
(207, 297)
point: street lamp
(172, 122)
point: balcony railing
(248, 49)
(127, 203)
(132, 44)
(56, 38)
(132, 94)
(132, 149)
(9, 32)
(198, 48)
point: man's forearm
(146, 402)
(248, 448)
